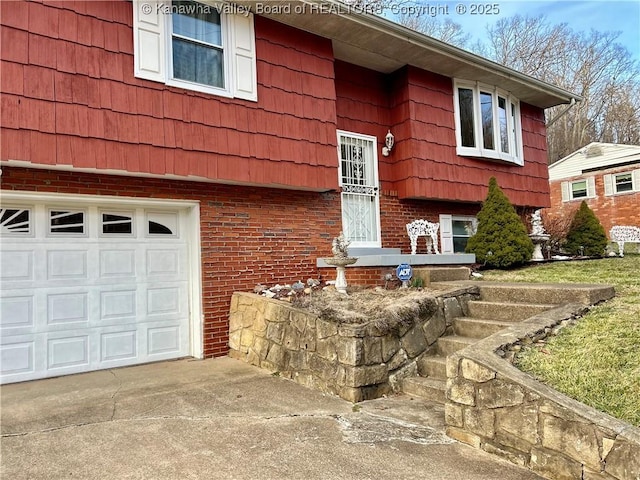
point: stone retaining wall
(496, 407)
(356, 362)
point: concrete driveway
(223, 419)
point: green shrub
(501, 240)
(586, 235)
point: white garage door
(88, 288)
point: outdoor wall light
(389, 141)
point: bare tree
(592, 65)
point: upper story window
(206, 47)
(623, 182)
(197, 50)
(487, 123)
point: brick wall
(620, 209)
(248, 235)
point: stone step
(441, 274)
(477, 327)
(427, 388)
(452, 343)
(433, 367)
(545, 293)
(505, 311)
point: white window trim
(567, 190)
(610, 183)
(152, 27)
(225, 48)
(446, 230)
(479, 150)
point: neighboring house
(606, 176)
(157, 156)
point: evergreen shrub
(586, 234)
(501, 240)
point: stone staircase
(500, 306)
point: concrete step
(452, 343)
(545, 293)
(427, 388)
(433, 367)
(505, 311)
(477, 327)
(441, 274)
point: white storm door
(359, 189)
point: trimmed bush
(586, 235)
(500, 232)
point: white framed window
(16, 221)
(455, 231)
(196, 45)
(63, 221)
(162, 224)
(116, 223)
(578, 189)
(488, 122)
(624, 182)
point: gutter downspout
(562, 113)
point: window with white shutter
(206, 47)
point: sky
(580, 15)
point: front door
(359, 189)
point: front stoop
(500, 306)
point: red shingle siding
(620, 209)
(71, 64)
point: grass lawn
(597, 361)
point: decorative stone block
(414, 342)
(234, 340)
(389, 346)
(552, 465)
(291, 339)
(461, 391)
(326, 329)
(464, 436)
(361, 376)
(350, 350)
(577, 441)
(395, 379)
(624, 460)
(452, 309)
(246, 338)
(277, 357)
(372, 350)
(520, 420)
(326, 349)
(475, 372)
(434, 328)
(497, 393)
(275, 332)
(399, 359)
(511, 454)
(480, 421)
(453, 415)
(261, 347)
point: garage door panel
(18, 357)
(16, 312)
(117, 264)
(119, 346)
(16, 265)
(67, 308)
(67, 265)
(118, 306)
(68, 352)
